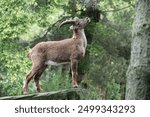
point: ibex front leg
(74, 67)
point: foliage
(103, 69)
(106, 68)
(91, 92)
(113, 90)
(53, 80)
(17, 19)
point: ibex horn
(66, 22)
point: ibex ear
(75, 18)
(73, 27)
(88, 19)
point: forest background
(102, 72)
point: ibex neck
(79, 34)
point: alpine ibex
(65, 51)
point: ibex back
(69, 50)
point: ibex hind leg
(26, 82)
(30, 75)
(37, 77)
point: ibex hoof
(75, 86)
(25, 93)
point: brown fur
(65, 51)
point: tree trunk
(138, 74)
(92, 9)
(74, 7)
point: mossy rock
(68, 94)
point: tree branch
(43, 36)
(115, 10)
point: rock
(68, 94)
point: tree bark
(138, 74)
(92, 9)
(74, 7)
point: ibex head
(76, 23)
